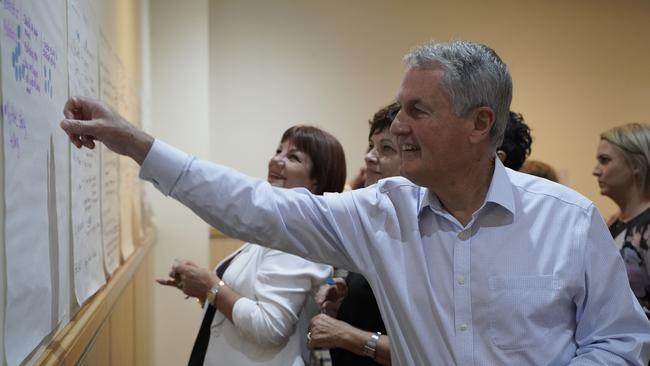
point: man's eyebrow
(411, 101)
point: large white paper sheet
(128, 175)
(33, 68)
(131, 108)
(110, 203)
(84, 164)
(55, 79)
(110, 198)
(128, 168)
(108, 73)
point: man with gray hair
(471, 263)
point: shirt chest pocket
(522, 310)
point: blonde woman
(623, 172)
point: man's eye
(415, 111)
(420, 111)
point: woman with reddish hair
(257, 306)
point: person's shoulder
(387, 187)
(642, 219)
(396, 183)
(535, 188)
(645, 215)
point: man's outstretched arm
(248, 209)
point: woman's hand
(329, 297)
(188, 277)
(327, 332)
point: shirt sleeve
(282, 284)
(292, 220)
(163, 166)
(611, 327)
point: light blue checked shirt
(533, 279)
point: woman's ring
(309, 336)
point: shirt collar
(499, 193)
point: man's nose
(398, 127)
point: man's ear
(502, 155)
(483, 119)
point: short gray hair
(474, 76)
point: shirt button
(461, 280)
(463, 327)
(463, 235)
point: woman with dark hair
(623, 172)
(256, 302)
(350, 324)
(515, 146)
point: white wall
(274, 64)
(179, 114)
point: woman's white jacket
(270, 321)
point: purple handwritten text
(10, 6)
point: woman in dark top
(350, 323)
(359, 308)
(623, 172)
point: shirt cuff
(163, 166)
